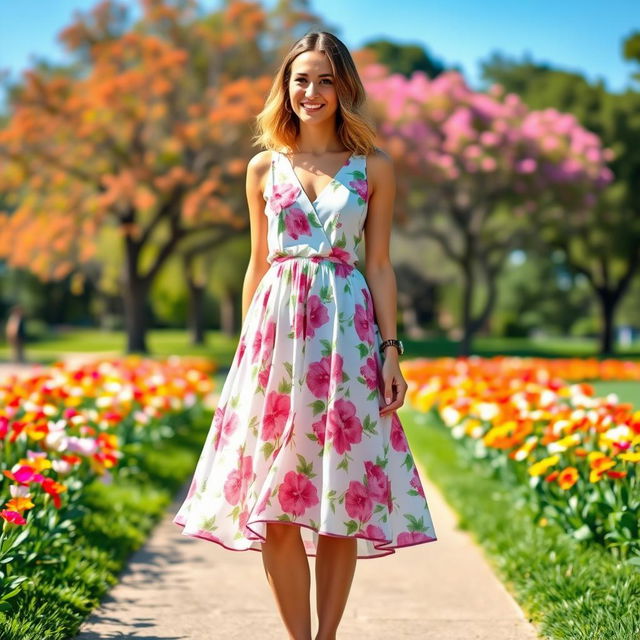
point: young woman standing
(306, 455)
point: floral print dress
(297, 437)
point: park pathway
(181, 588)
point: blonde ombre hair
(277, 124)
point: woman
(306, 455)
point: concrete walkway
(182, 588)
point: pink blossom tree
(484, 172)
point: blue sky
(577, 35)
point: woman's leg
(287, 569)
(335, 567)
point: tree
(479, 171)
(603, 243)
(148, 132)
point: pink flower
(297, 493)
(14, 517)
(369, 372)
(324, 374)
(237, 482)
(363, 324)
(361, 187)
(342, 268)
(415, 482)
(263, 376)
(343, 426)
(368, 302)
(241, 348)
(357, 501)
(317, 315)
(372, 531)
(297, 223)
(282, 196)
(262, 505)
(229, 425)
(242, 519)
(268, 340)
(319, 427)
(265, 298)
(276, 412)
(377, 482)
(257, 342)
(412, 537)
(397, 436)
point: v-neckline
(295, 175)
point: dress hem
(210, 537)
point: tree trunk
(196, 312)
(608, 303)
(227, 313)
(135, 298)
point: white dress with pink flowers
(297, 437)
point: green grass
(221, 347)
(568, 589)
(118, 520)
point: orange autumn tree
(148, 132)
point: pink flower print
(193, 488)
(300, 324)
(342, 269)
(265, 298)
(369, 371)
(362, 322)
(229, 425)
(412, 537)
(262, 505)
(297, 223)
(317, 315)
(282, 196)
(372, 531)
(297, 493)
(241, 348)
(343, 426)
(233, 487)
(257, 342)
(242, 519)
(277, 407)
(361, 187)
(263, 376)
(319, 427)
(397, 435)
(415, 482)
(268, 340)
(377, 482)
(324, 374)
(368, 303)
(357, 501)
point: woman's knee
(277, 532)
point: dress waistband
(318, 258)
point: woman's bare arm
(257, 170)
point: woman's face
(312, 82)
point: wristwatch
(395, 343)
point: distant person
(16, 334)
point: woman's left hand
(395, 386)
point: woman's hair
(278, 126)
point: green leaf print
(412, 492)
(345, 377)
(267, 449)
(318, 406)
(381, 462)
(235, 513)
(327, 347)
(369, 425)
(314, 524)
(284, 386)
(414, 523)
(364, 350)
(344, 463)
(326, 295)
(234, 401)
(290, 335)
(408, 462)
(342, 241)
(209, 524)
(313, 221)
(379, 508)
(281, 225)
(372, 395)
(347, 287)
(284, 517)
(289, 367)
(312, 436)
(305, 467)
(352, 526)
(358, 175)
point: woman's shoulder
(379, 163)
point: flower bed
(575, 454)
(62, 429)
